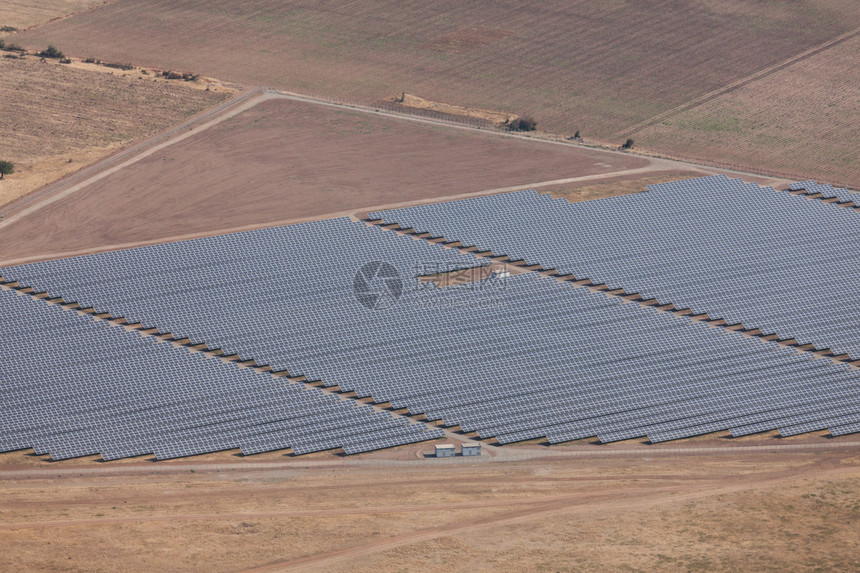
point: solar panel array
(72, 386)
(516, 359)
(239, 291)
(715, 245)
(827, 191)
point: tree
(6, 167)
(628, 144)
(524, 123)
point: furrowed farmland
(801, 120)
(596, 67)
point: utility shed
(445, 451)
(471, 449)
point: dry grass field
(599, 67)
(22, 14)
(285, 160)
(802, 120)
(56, 118)
(776, 511)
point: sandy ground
(57, 119)
(722, 512)
(285, 160)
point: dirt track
(284, 160)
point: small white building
(471, 449)
(445, 451)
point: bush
(13, 48)
(66, 61)
(628, 144)
(6, 167)
(52, 52)
(92, 61)
(524, 123)
(124, 67)
(8, 29)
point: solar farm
(472, 287)
(533, 355)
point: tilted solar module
(715, 245)
(827, 191)
(73, 386)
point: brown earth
(285, 160)
(725, 512)
(802, 120)
(23, 14)
(56, 119)
(599, 67)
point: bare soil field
(802, 120)
(599, 67)
(727, 512)
(56, 118)
(22, 14)
(284, 160)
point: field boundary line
(103, 167)
(355, 213)
(512, 454)
(696, 102)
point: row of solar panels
(826, 191)
(515, 358)
(719, 246)
(72, 386)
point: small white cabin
(445, 451)
(471, 449)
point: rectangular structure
(471, 449)
(445, 451)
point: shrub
(6, 167)
(124, 67)
(2, 43)
(524, 123)
(52, 52)
(628, 144)
(92, 61)
(66, 61)
(13, 48)
(8, 29)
